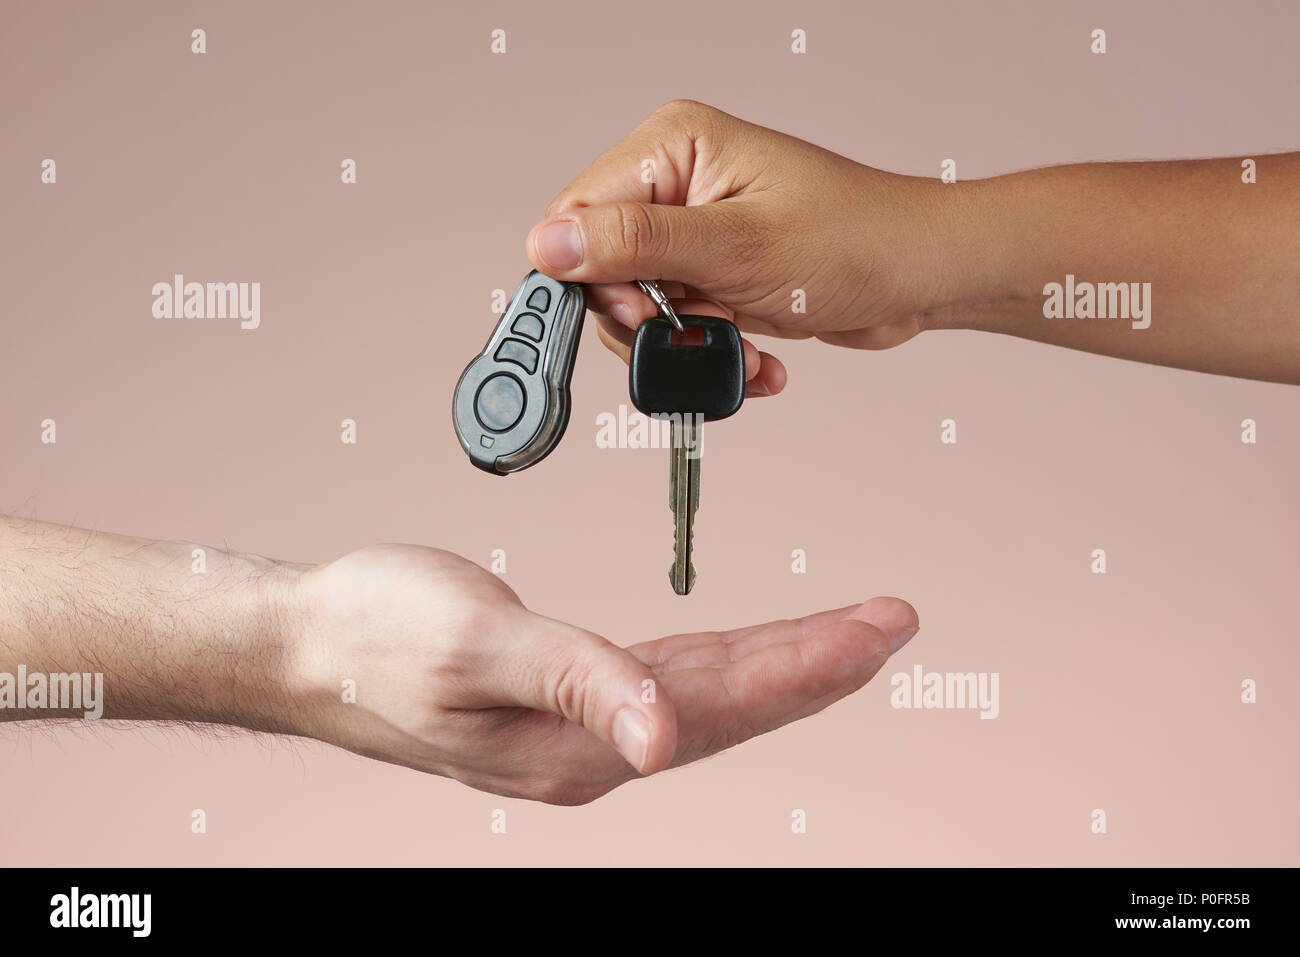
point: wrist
(975, 244)
(266, 689)
(224, 647)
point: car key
(512, 402)
(689, 379)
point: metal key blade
(684, 498)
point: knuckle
(692, 118)
(565, 201)
(633, 232)
(681, 107)
(568, 690)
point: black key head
(701, 372)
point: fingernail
(901, 637)
(560, 245)
(632, 736)
(622, 312)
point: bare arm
(1221, 257)
(409, 655)
(791, 240)
(172, 643)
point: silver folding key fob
(512, 402)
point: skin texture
(739, 216)
(453, 675)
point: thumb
(567, 671)
(621, 242)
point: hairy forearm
(175, 634)
(1222, 258)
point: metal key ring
(651, 288)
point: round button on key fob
(512, 402)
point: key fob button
(539, 300)
(528, 324)
(518, 352)
(500, 402)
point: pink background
(1118, 692)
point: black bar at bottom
(565, 907)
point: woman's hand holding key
(738, 219)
